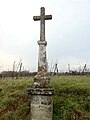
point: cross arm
(48, 17)
(36, 18)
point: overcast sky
(67, 34)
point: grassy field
(72, 96)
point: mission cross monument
(41, 92)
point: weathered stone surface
(42, 108)
(40, 112)
(42, 80)
(41, 103)
(41, 93)
(46, 100)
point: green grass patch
(72, 93)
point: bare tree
(69, 68)
(84, 69)
(56, 69)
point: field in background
(71, 99)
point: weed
(7, 101)
(8, 116)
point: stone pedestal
(41, 103)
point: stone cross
(42, 19)
(41, 92)
(42, 61)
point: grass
(72, 93)
(14, 99)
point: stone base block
(41, 103)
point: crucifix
(42, 61)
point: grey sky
(67, 34)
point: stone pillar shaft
(42, 60)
